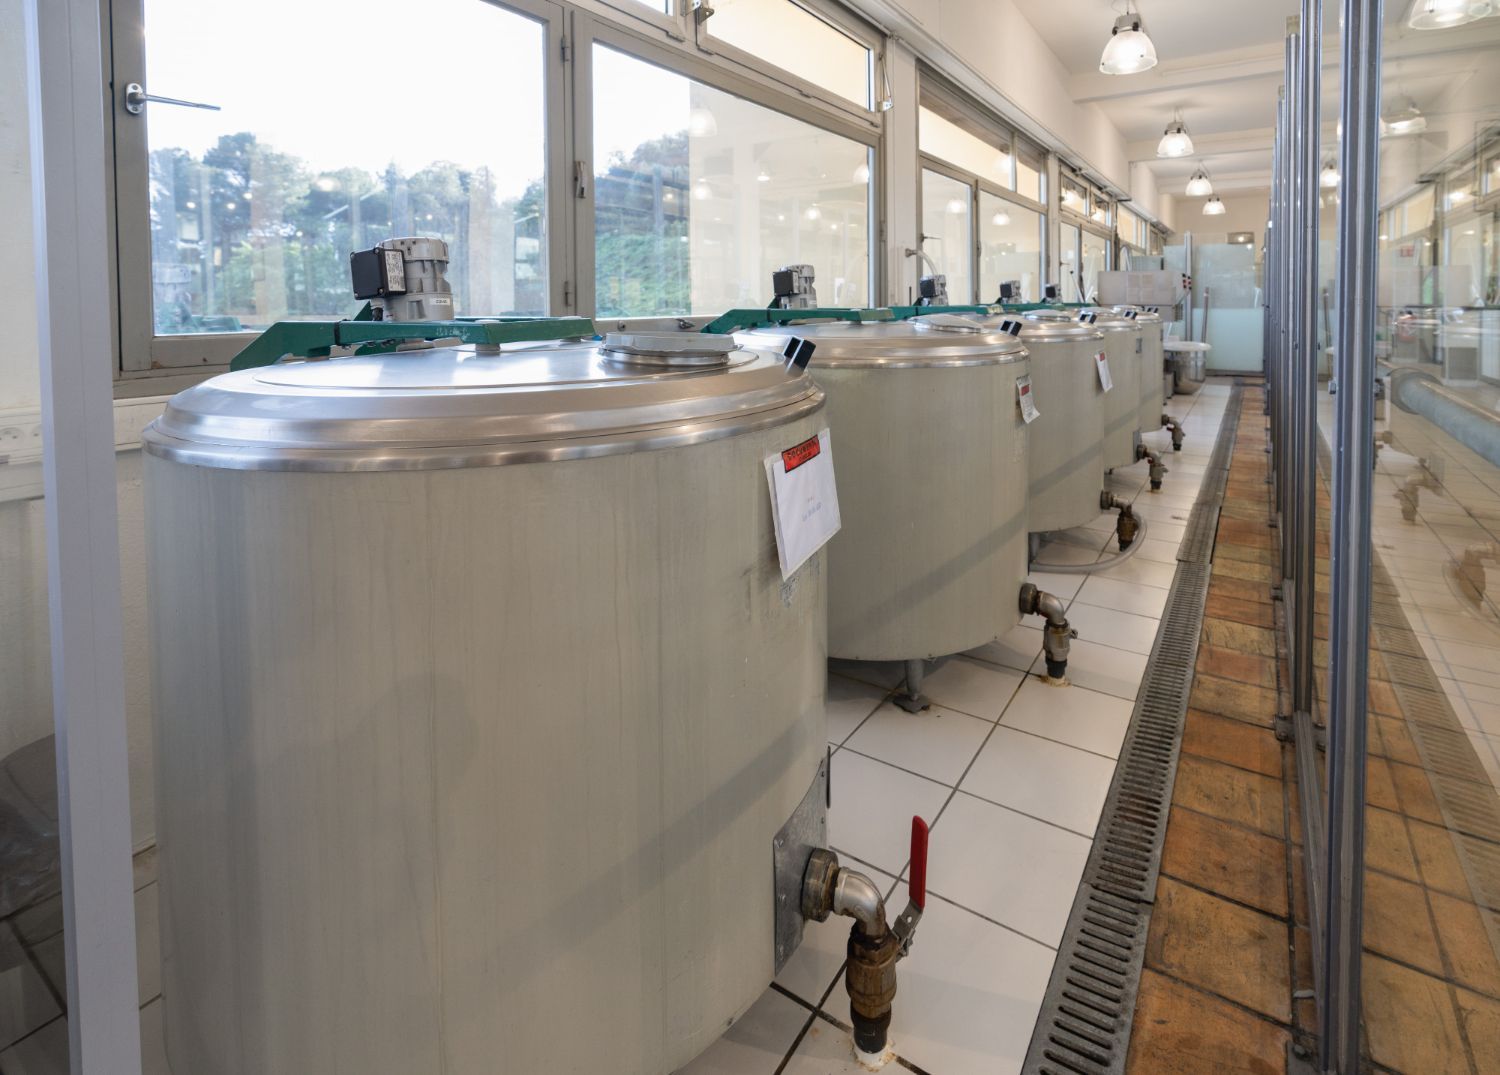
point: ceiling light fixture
(1328, 178)
(1129, 49)
(862, 173)
(1000, 219)
(1446, 14)
(1175, 140)
(1408, 121)
(1214, 207)
(1199, 186)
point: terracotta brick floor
(1217, 991)
(1229, 954)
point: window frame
(589, 30)
(144, 354)
(841, 20)
(925, 164)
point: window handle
(136, 98)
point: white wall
(993, 41)
(1242, 212)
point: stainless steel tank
(1122, 405)
(480, 702)
(1066, 448)
(932, 480)
(1153, 369)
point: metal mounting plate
(804, 832)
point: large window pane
(1010, 248)
(1067, 254)
(699, 195)
(255, 208)
(1031, 166)
(947, 231)
(1094, 260)
(796, 40)
(989, 158)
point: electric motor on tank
(483, 708)
(404, 279)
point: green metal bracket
(735, 320)
(904, 312)
(318, 339)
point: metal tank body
(1066, 446)
(1153, 369)
(1122, 404)
(480, 702)
(932, 478)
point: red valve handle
(917, 886)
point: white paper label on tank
(1027, 399)
(1101, 360)
(804, 502)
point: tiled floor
(33, 984)
(1011, 773)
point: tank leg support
(1056, 635)
(910, 697)
(875, 947)
(1176, 427)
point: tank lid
(459, 406)
(1055, 325)
(1142, 314)
(942, 341)
(1109, 321)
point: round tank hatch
(668, 350)
(947, 323)
(896, 344)
(1055, 325)
(450, 407)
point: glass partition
(1010, 249)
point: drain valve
(1158, 471)
(1176, 427)
(1126, 525)
(1056, 635)
(874, 946)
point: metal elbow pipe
(1127, 526)
(1176, 427)
(856, 897)
(1058, 633)
(1156, 467)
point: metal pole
(1290, 446)
(69, 181)
(1354, 433)
(1305, 376)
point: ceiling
(1221, 63)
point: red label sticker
(795, 456)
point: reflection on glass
(1010, 249)
(948, 231)
(699, 195)
(255, 209)
(1093, 259)
(1030, 169)
(1067, 256)
(796, 40)
(988, 158)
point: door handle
(136, 99)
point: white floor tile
(756, 1042)
(1154, 548)
(44, 1052)
(147, 944)
(968, 994)
(1048, 780)
(979, 690)
(1103, 668)
(849, 702)
(827, 1050)
(26, 1004)
(936, 743)
(1073, 715)
(1017, 648)
(872, 809)
(1062, 586)
(1007, 867)
(1108, 627)
(1145, 572)
(153, 1041)
(1106, 591)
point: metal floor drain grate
(1086, 1016)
